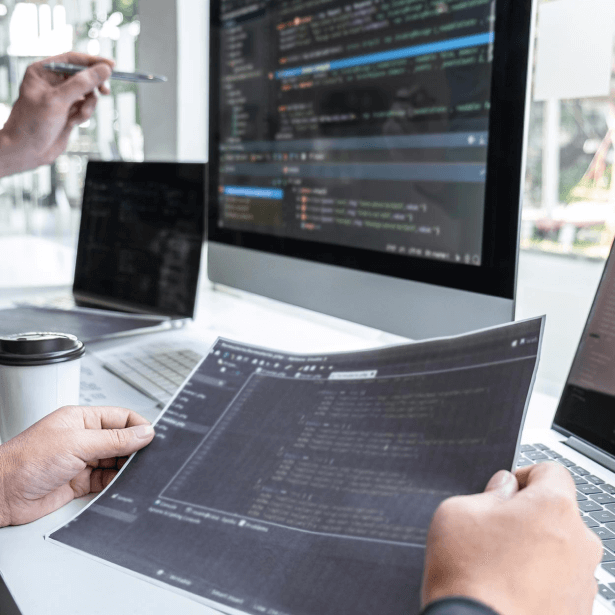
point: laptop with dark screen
(138, 254)
(140, 239)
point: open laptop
(582, 436)
(139, 249)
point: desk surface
(47, 579)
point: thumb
(104, 443)
(85, 81)
(503, 485)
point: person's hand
(520, 547)
(48, 107)
(71, 452)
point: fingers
(94, 444)
(100, 479)
(107, 417)
(597, 547)
(553, 483)
(104, 88)
(115, 463)
(84, 110)
(80, 484)
(503, 485)
(73, 57)
(549, 487)
(550, 478)
(92, 480)
(100, 434)
(111, 462)
(85, 81)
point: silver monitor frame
(411, 309)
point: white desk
(48, 579)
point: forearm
(457, 605)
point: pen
(71, 69)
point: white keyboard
(156, 373)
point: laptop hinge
(593, 453)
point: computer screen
(383, 137)
(141, 235)
(585, 408)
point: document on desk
(305, 484)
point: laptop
(8, 606)
(582, 436)
(139, 248)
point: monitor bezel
(496, 275)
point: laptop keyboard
(157, 374)
(596, 500)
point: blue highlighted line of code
(257, 193)
(393, 54)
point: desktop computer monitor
(366, 158)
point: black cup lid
(39, 348)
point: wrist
(5, 517)
(457, 605)
(14, 157)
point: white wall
(173, 42)
(193, 68)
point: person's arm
(519, 548)
(73, 451)
(48, 107)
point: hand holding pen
(72, 69)
(48, 107)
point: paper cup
(39, 372)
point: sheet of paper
(305, 484)
(574, 54)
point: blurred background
(46, 202)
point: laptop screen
(142, 229)
(587, 406)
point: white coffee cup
(39, 372)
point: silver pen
(71, 69)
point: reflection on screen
(359, 124)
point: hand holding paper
(74, 451)
(519, 547)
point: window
(46, 201)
